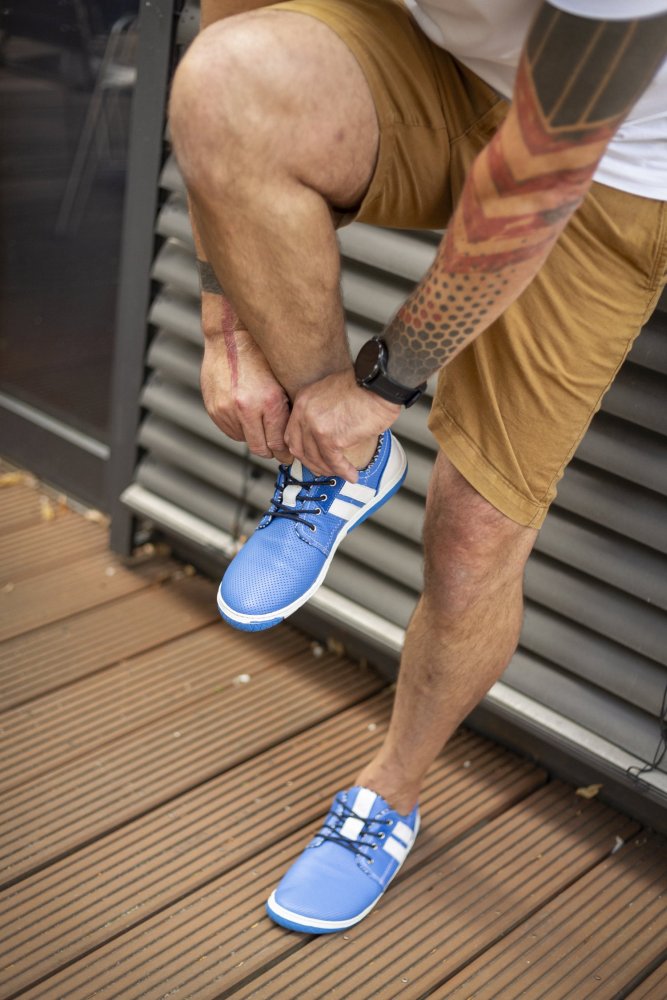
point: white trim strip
(340, 508)
(403, 832)
(307, 922)
(355, 491)
(362, 805)
(398, 851)
(290, 493)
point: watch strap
(385, 387)
(377, 380)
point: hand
(243, 397)
(331, 418)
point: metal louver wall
(591, 669)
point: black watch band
(370, 370)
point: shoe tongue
(299, 471)
(366, 804)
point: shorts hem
(466, 457)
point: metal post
(156, 35)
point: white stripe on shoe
(355, 491)
(290, 493)
(397, 850)
(362, 806)
(340, 508)
(403, 832)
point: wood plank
(69, 724)
(29, 551)
(59, 593)
(654, 986)
(80, 902)
(48, 658)
(57, 813)
(590, 941)
(456, 797)
(20, 505)
(452, 910)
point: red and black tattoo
(577, 80)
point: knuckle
(242, 403)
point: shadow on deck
(159, 772)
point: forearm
(489, 254)
(577, 80)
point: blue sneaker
(346, 868)
(286, 559)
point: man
(490, 119)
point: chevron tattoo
(576, 82)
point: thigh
(511, 409)
(433, 114)
(281, 99)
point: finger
(253, 432)
(340, 466)
(229, 426)
(293, 438)
(274, 432)
(313, 457)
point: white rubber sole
(397, 474)
(297, 922)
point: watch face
(367, 366)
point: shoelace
(335, 822)
(280, 509)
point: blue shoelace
(279, 509)
(335, 821)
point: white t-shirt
(487, 36)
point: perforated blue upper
(331, 882)
(282, 560)
(275, 563)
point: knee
(470, 548)
(225, 98)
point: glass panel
(66, 78)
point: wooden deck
(160, 771)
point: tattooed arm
(577, 80)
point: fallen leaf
(335, 646)
(589, 791)
(12, 478)
(46, 508)
(96, 516)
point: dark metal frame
(34, 439)
(157, 24)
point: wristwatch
(370, 370)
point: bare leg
(462, 634)
(273, 123)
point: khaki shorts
(511, 409)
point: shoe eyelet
(332, 482)
(374, 847)
(381, 836)
(323, 496)
(317, 511)
(312, 527)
